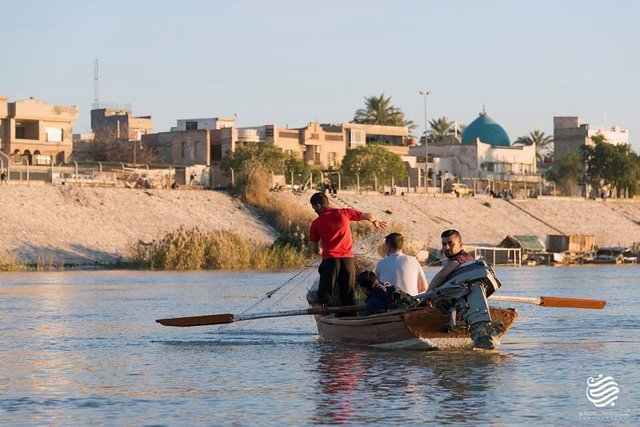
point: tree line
(610, 169)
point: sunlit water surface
(82, 348)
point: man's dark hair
(367, 279)
(451, 233)
(395, 241)
(320, 199)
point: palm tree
(543, 143)
(379, 111)
(441, 128)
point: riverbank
(487, 221)
(52, 225)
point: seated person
(379, 295)
(470, 299)
(402, 271)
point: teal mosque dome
(489, 132)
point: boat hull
(420, 328)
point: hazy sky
(290, 62)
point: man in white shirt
(402, 271)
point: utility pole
(426, 147)
(96, 101)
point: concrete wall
(111, 123)
(191, 147)
(162, 144)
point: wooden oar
(220, 319)
(554, 301)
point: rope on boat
(369, 246)
(523, 318)
(271, 307)
(530, 315)
(269, 294)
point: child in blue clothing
(379, 295)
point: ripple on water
(83, 348)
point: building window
(192, 125)
(53, 134)
(268, 131)
(27, 129)
(356, 138)
(216, 153)
(331, 159)
(182, 146)
(333, 137)
(288, 134)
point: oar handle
(559, 302)
(572, 302)
(220, 319)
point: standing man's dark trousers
(340, 271)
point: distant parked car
(458, 189)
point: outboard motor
(465, 293)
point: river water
(83, 348)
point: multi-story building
(570, 134)
(393, 138)
(192, 141)
(206, 141)
(109, 124)
(34, 132)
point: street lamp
(426, 148)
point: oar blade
(572, 303)
(211, 319)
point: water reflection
(80, 347)
(361, 385)
(339, 373)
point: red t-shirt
(331, 228)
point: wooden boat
(422, 328)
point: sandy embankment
(613, 223)
(98, 225)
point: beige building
(195, 141)
(206, 141)
(35, 132)
(393, 138)
(119, 124)
(569, 134)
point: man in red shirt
(330, 236)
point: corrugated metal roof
(528, 243)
